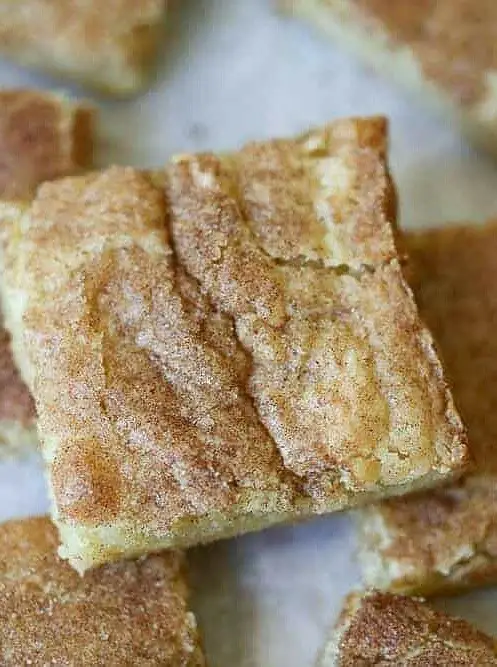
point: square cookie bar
(225, 345)
(42, 137)
(106, 45)
(443, 50)
(383, 629)
(127, 613)
(447, 539)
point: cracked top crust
(130, 613)
(42, 137)
(108, 45)
(448, 538)
(231, 336)
(380, 629)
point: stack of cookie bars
(227, 343)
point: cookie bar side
(368, 39)
(440, 542)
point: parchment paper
(233, 70)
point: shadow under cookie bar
(132, 612)
(446, 540)
(442, 50)
(380, 628)
(106, 45)
(225, 345)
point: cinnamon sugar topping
(382, 629)
(129, 613)
(219, 374)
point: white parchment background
(232, 70)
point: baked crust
(447, 540)
(382, 629)
(223, 346)
(443, 50)
(107, 45)
(128, 613)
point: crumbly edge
(378, 572)
(392, 575)
(89, 546)
(336, 19)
